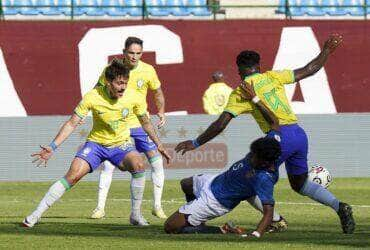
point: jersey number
(274, 101)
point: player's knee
(187, 185)
(169, 226)
(138, 166)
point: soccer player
(269, 87)
(211, 196)
(142, 78)
(109, 138)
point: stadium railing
(147, 9)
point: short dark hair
(133, 40)
(266, 149)
(248, 58)
(116, 69)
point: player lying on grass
(211, 196)
(109, 138)
(269, 87)
(142, 77)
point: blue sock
(319, 194)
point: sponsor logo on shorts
(86, 151)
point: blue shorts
(294, 148)
(95, 153)
(143, 143)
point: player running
(142, 77)
(211, 196)
(109, 138)
(269, 87)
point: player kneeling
(211, 196)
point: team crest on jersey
(125, 112)
(86, 151)
(140, 83)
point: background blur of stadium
(52, 52)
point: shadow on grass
(300, 234)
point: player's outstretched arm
(65, 131)
(268, 211)
(160, 103)
(149, 129)
(211, 132)
(249, 94)
(316, 64)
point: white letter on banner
(10, 104)
(100, 43)
(298, 46)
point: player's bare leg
(134, 164)
(316, 192)
(156, 163)
(79, 168)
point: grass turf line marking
(178, 201)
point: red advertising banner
(46, 66)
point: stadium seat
(294, 11)
(335, 8)
(202, 10)
(356, 10)
(315, 10)
(157, 11)
(9, 10)
(134, 7)
(178, 11)
(53, 10)
(116, 8)
(26, 10)
(94, 10)
(62, 7)
(281, 8)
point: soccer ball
(320, 175)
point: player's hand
(184, 147)
(164, 153)
(247, 91)
(162, 120)
(42, 157)
(81, 122)
(332, 43)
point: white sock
(105, 180)
(257, 204)
(54, 193)
(137, 192)
(158, 180)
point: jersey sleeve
(264, 188)
(154, 82)
(236, 105)
(84, 106)
(283, 76)
(140, 108)
(206, 102)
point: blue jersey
(241, 182)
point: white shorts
(205, 207)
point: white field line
(177, 201)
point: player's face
(118, 86)
(133, 54)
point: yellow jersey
(215, 98)
(269, 87)
(110, 116)
(141, 78)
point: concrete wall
(339, 142)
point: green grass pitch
(67, 225)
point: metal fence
(213, 6)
